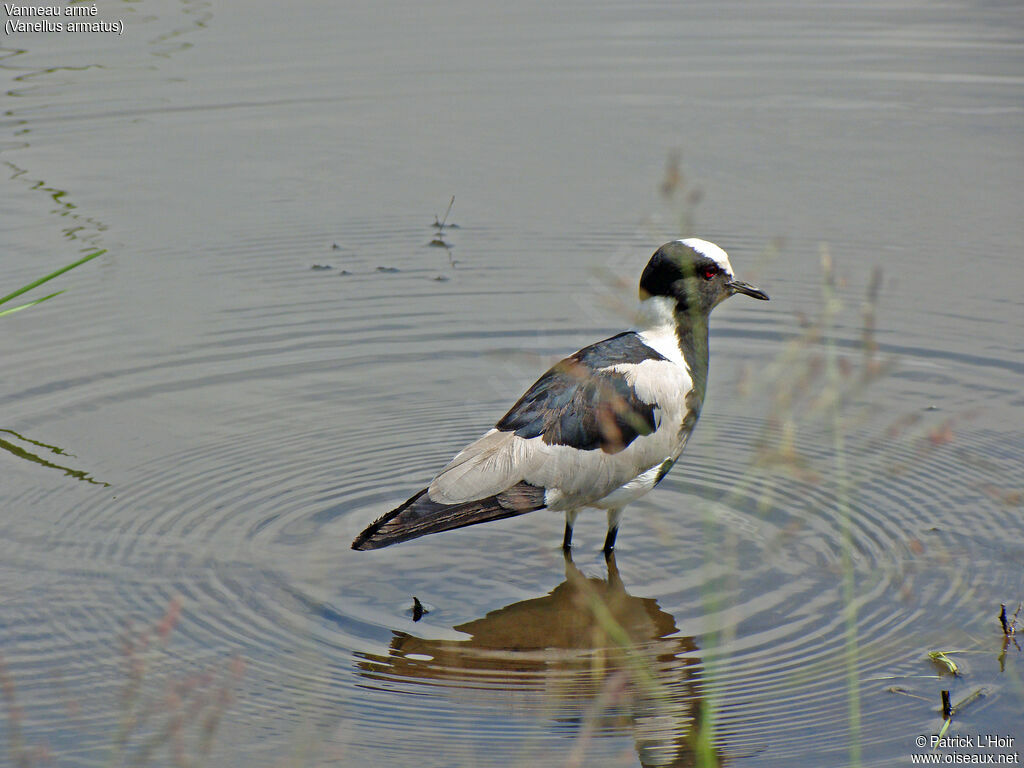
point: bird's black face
(697, 277)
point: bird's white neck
(657, 323)
(675, 337)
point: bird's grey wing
(585, 403)
(487, 466)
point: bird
(601, 428)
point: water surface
(193, 433)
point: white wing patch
(487, 466)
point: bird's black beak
(738, 286)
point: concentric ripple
(751, 587)
(752, 582)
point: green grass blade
(30, 304)
(50, 276)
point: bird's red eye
(709, 272)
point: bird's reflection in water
(609, 662)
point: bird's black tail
(420, 516)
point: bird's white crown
(712, 251)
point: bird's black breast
(580, 405)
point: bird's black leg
(609, 540)
(614, 515)
(570, 519)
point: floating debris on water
(942, 660)
(418, 611)
(440, 225)
(1009, 627)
